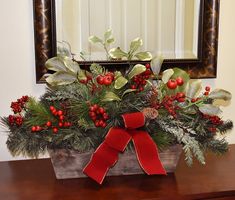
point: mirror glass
(167, 27)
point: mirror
(191, 43)
(167, 27)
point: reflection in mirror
(167, 27)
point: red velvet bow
(106, 155)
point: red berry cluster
(13, 119)
(207, 90)
(86, 80)
(106, 79)
(214, 121)
(61, 123)
(98, 115)
(19, 105)
(174, 83)
(141, 80)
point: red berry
(172, 84)
(141, 89)
(101, 122)
(60, 112)
(94, 118)
(69, 124)
(38, 128)
(108, 80)
(92, 109)
(181, 100)
(60, 124)
(193, 100)
(84, 81)
(95, 106)
(148, 72)
(133, 86)
(54, 112)
(111, 74)
(206, 93)
(180, 81)
(100, 79)
(48, 124)
(97, 123)
(92, 114)
(101, 110)
(104, 125)
(180, 95)
(143, 82)
(207, 88)
(105, 116)
(33, 129)
(147, 66)
(52, 108)
(55, 130)
(61, 117)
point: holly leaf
(193, 88)
(94, 39)
(61, 78)
(136, 70)
(209, 109)
(135, 44)
(117, 53)
(56, 64)
(156, 64)
(166, 75)
(144, 56)
(110, 96)
(120, 82)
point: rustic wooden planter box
(70, 163)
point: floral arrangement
(81, 106)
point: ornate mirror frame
(203, 67)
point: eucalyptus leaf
(107, 34)
(94, 39)
(166, 75)
(220, 94)
(110, 96)
(61, 78)
(193, 88)
(144, 56)
(117, 53)
(71, 65)
(110, 41)
(120, 82)
(128, 91)
(135, 44)
(156, 64)
(209, 109)
(56, 64)
(136, 70)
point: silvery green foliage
(191, 146)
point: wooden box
(70, 163)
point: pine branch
(226, 126)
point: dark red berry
(147, 66)
(60, 124)
(48, 124)
(55, 130)
(33, 129)
(60, 112)
(101, 110)
(100, 79)
(207, 88)
(52, 108)
(107, 80)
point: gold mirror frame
(205, 66)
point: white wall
(17, 74)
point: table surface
(35, 179)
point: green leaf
(220, 94)
(166, 75)
(120, 82)
(136, 70)
(111, 40)
(156, 64)
(56, 64)
(94, 39)
(110, 96)
(209, 109)
(128, 91)
(144, 56)
(117, 74)
(61, 78)
(107, 34)
(193, 88)
(71, 65)
(117, 53)
(135, 44)
(82, 75)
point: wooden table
(35, 179)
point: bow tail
(147, 152)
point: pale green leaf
(71, 65)
(61, 78)
(110, 41)
(82, 75)
(209, 109)
(136, 70)
(56, 64)
(220, 94)
(135, 44)
(193, 88)
(110, 96)
(156, 64)
(94, 39)
(117, 74)
(144, 56)
(166, 75)
(63, 51)
(117, 53)
(107, 34)
(120, 82)
(128, 91)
